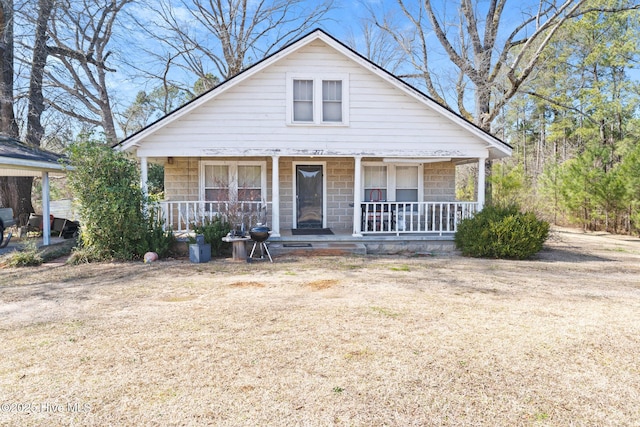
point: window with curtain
(332, 101)
(232, 181)
(249, 183)
(216, 182)
(406, 183)
(303, 100)
(391, 182)
(317, 99)
(375, 183)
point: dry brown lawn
(342, 340)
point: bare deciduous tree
(10, 187)
(377, 46)
(16, 191)
(494, 48)
(35, 130)
(8, 125)
(228, 35)
(80, 32)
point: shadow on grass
(568, 255)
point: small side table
(239, 248)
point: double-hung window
(303, 100)
(249, 183)
(392, 182)
(216, 182)
(317, 100)
(228, 181)
(407, 183)
(375, 183)
(332, 101)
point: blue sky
(344, 22)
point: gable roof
(18, 159)
(497, 147)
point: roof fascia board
(13, 163)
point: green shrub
(28, 256)
(159, 240)
(116, 222)
(501, 232)
(107, 185)
(214, 230)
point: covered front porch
(354, 197)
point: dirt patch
(398, 340)
(247, 285)
(322, 284)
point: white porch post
(46, 222)
(481, 182)
(275, 196)
(357, 185)
(144, 173)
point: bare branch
(239, 28)
(420, 59)
(79, 34)
(78, 56)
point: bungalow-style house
(317, 140)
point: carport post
(46, 223)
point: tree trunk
(483, 120)
(35, 131)
(8, 125)
(15, 192)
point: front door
(309, 196)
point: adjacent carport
(18, 159)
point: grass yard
(348, 341)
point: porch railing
(414, 217)
(376, 217)
(180, 216)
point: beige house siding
(340, 193)
(251, 117)
(182, 180)
(440, 182)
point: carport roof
(18, 159)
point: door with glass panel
(309, 196)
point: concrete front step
(316, 248)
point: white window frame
(233, 176)
(317, 98)
(391, 179)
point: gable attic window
(303, 100)
(332, 101)
(317, 100)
